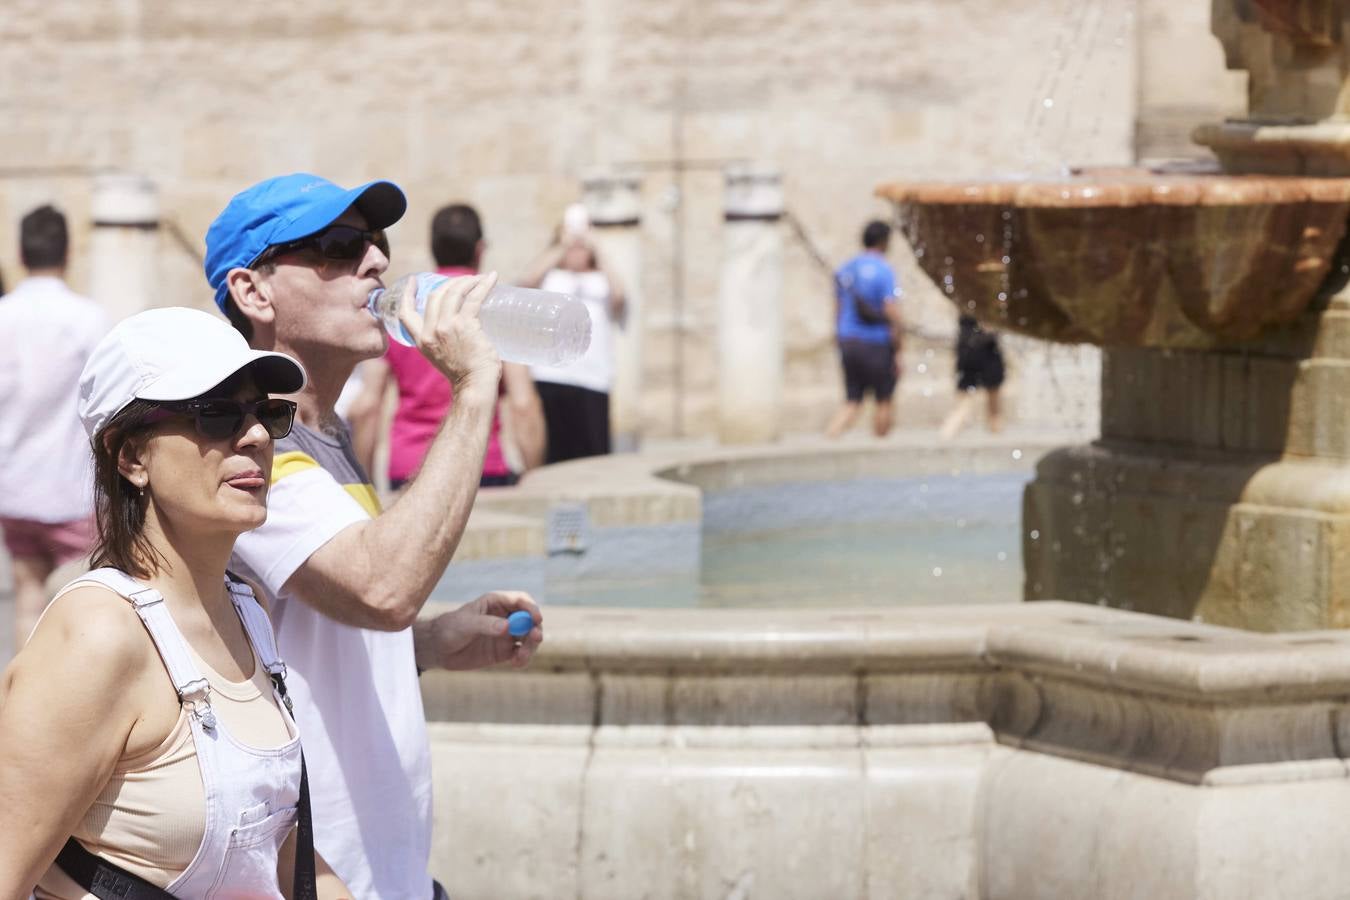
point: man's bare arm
(892, 308)
(378, 574)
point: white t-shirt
(356, 692)
(47, 332)
(595, 369)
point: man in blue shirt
(868, 331)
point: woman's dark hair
(119, 506)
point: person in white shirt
(575, 397)
(292, 261)
(46, 504)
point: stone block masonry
(506, 104)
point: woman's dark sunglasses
(340, 242)
(217, 420)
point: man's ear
(252, 295)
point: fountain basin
(1039, 751)
(1128, 257)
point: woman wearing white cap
(146, 748)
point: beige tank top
(150, 817)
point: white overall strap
(258, 626)
(193, 689)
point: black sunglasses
(217, 420)
(340, 242)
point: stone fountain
(1220, 486)
(1045, 751)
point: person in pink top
(424, 395)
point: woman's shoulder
(91, 626)
(86, 675)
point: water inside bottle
(525, 325)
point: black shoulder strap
(866, 312)
(305, 887)
(104, 879)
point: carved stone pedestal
(1220, 488)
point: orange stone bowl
(1128, 257)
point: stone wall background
(505, 103)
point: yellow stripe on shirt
(365, 495)
(291, 462)
(294, 461)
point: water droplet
(1017, 454)
(1002, 557)
(979, 239)
(937, 571)
(921, 368)
(1048, 102)
(1007, 259)
(1003, 296)
(1078, 498)
(1035, 535)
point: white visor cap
(173, 353)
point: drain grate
(568, 528)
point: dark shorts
(577, 420)
(980, 369)
(868, 367)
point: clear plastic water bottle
(525, 325)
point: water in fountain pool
(902, 541)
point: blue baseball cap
(288, 208)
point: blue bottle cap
(519, 623)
